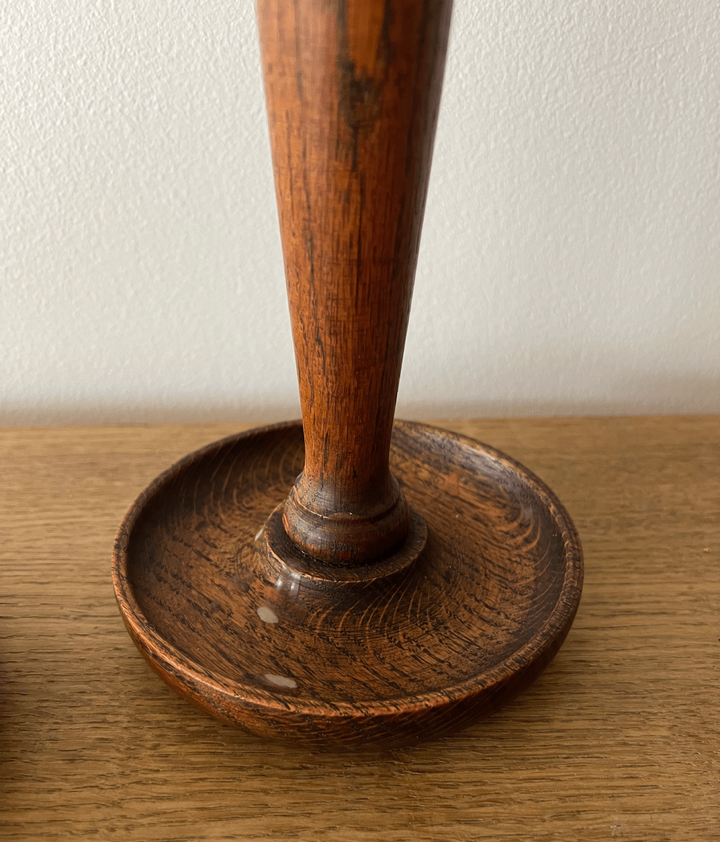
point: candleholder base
(422, 641)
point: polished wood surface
(618, 739)
(353, 92)
(419, 643)
(364, 583)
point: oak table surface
(618, 739)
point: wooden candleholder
(349, 580)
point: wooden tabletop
(618, 739)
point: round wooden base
(448, 627)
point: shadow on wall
(649, 394)
(637, 394)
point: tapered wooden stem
(353, 89)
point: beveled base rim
(284, 556)
(351, 538)
(385, 721)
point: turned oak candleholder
(349, 580)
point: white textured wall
(571, 252)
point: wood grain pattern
(409, 580)
(353, 92)
(420, 643)
(618, 739)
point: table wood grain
(618, 739)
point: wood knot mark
(364, 56)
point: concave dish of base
(473, 620)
